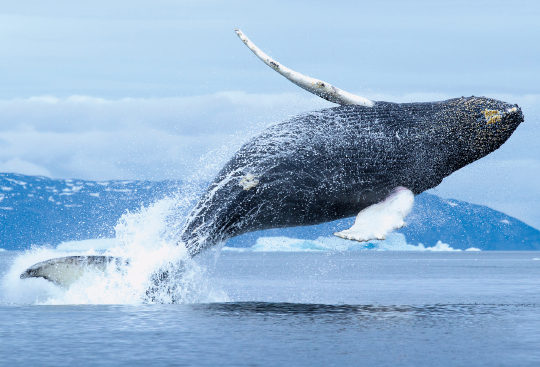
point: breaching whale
(362, 158)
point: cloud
(16, 165)
(135, 138)
(198, 115)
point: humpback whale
(364, 158)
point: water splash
(159, 269)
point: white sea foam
(393, 242)
(147, 239)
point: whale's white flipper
(376, 221)
(312, 85)
(65, 271)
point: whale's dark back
(330, 164)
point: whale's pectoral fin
(65, 271)
(376, 221)
(315, 86)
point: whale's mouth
(513, 116)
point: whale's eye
(492, 116)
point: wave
(394, 242)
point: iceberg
(394, 242)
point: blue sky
(117, 49)
(159, 89)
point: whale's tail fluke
(164, 284)
(65, 271)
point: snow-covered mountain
(39, 211)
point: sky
(165, 90)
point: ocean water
(310, 308)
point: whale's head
(480, 125)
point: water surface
(359, 308)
